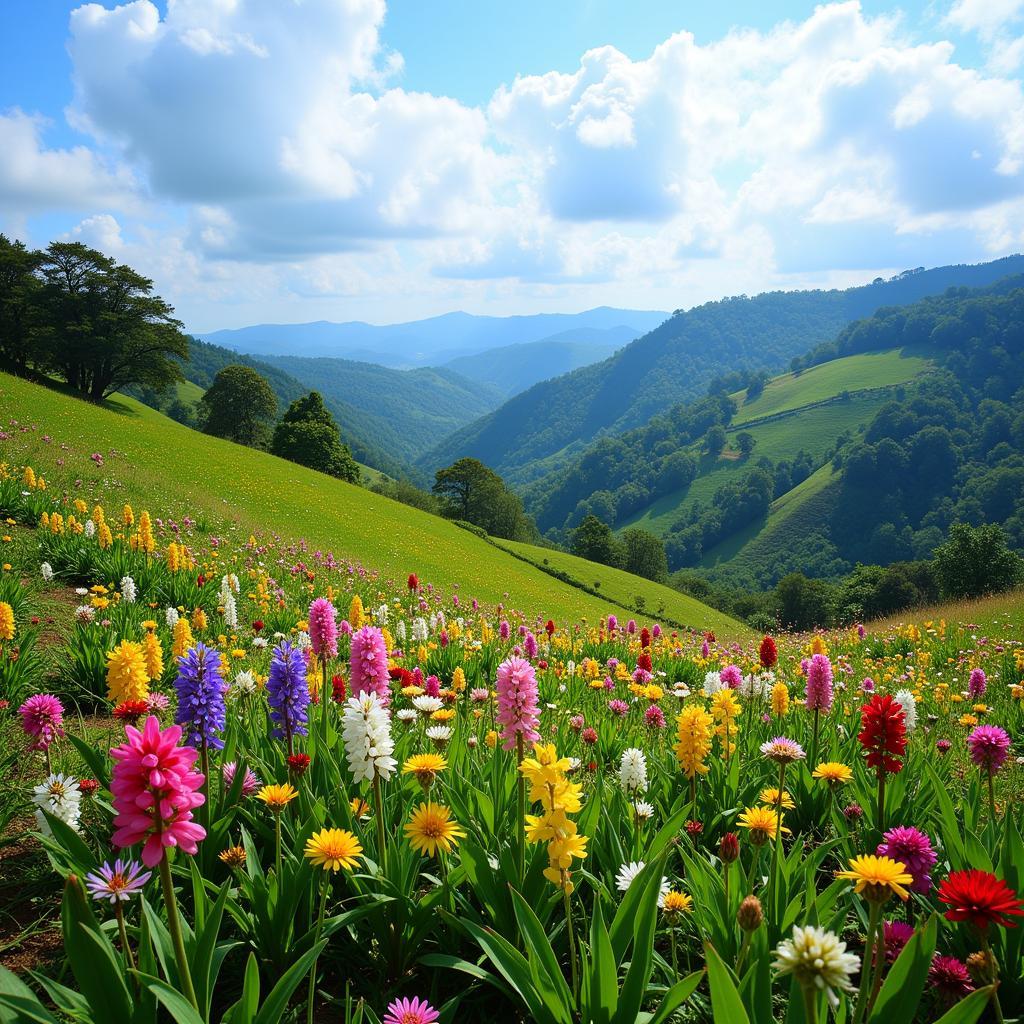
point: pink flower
(976, 685)
(432, 686)
(250, 783)
(518, 710)
(41, 717)
(155, 791)
(618, 707)
(731, 676)
(405, 1011)
(913, 849)
(654, 717)
(819, 684)
(989, 746)
(369, 664)
(323, 630)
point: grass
(999, 614)
(820, 383)
(624, 588)
(188, 392)
(151, 461)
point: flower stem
(874, 910)
(521, 812)
(277, 844)
(991, 800)
(378, 807)
(810, 1004)
(174, 927)
(997, 1009)
(316, 939)
(572, 941)
(125, 947)
(777, 848)
(881, 800)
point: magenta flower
(369, 664)
(503, 630)
(895, 935)
(405, 1011)
(819, 684)
(250, 783)
(530, 645)
(323, 629)
(613, 623)
(618, 707)
(41, 718)
(654, 717)
(976, 685)
(119, 883)
(432, 686)
(989, 746)
(913, 849)
(731, 676)
(155, 791)
(518, 710)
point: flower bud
(750, 915)
(729, 847)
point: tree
(472, 492)
(745, 441)
(644, 554)
(19, 293)
(104, 329)
(307, 434)
(594, 540)
(976, 560)
(239, 406)
(802, 603)
(714, 440)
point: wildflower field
(246, 781)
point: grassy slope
(188, 391)
(176, 471)
(997, 615)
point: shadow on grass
(114, 404)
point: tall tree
(471, 491)
(104, 327)
(976, 560)
(239, 406)
(308, 434)
(644, 554)
(19, 314)
(594, 540)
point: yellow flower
(770, 797)
(360, 808)
(431, 828)
(333, 848)
(693, 739)
(443, 715)
(491, 739)
(233, 856)
(154, 655)
(425, 767)
(835, 773)
(126, 673)
(199, 621)
(278, 796)
(762, 823)
(182, 638)
(780, 700)
(675, 903)
(6, 621)
(458, 679)
(355, 612)
(877, 878)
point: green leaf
(244, 1011)
(18, 1003)
(180, 1009)
(726, 1004)
(457, 963)
(273, 1009)
(901, 993)
(634, 987)
(676, 996)
(604, 975)
(968, 1010)
(201, 966)
(539, 948)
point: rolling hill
(539, 431)
(423, 342)
(233, 490)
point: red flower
(338, 691)
(694, 828)
(549, 627)
(403, 675)
(645, 638)
(542, 664)
(257, 625)
(768, 653)
(644, 661)
(87, 786)
(883, 733)
(201, 580)
(729, 847)
(709, 636)
(413, 582)
(131, 711)
(298, 763)
(981, 898)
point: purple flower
(618, 707)
(530, 646)
(41, 717)
(783, 750)
(323, 630)
(819, 684)
(977, 683)
(895, 934)
(989, 746)
(731, 676)
(288, 691)
(201, 710)
(250, 783)
(913, 849)
(613, 623)
(118, 883)
(503, 630)
(654, 717)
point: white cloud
(986, 17)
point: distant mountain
(405, 411)
(538, 431)
(423, 342)
(514, 368)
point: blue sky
(347, 159)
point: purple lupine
(819, 684)
(200, 689)
(288, 691)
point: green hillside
(151, 460)
(807, 412)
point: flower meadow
(273, 785)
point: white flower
(633, 770)
(85, 613)
(817, 958)
(47, 571)
(627, 875)
(681, 691)
(755, 686)
(366, 730)
(90, 529)
(570, 669)
(259, 641)
(230, 613)
(381, 614)
(712, 684)
(400, 630)
(60, 796)
(419, 629)
(427, 705)
(433, 623)
(81, 591)
(225, 590)
(128, 590)
(171, 617)
(245, 682)
(406, 715)
(439, 733)
(302, 640)
(909, 704)
(644, 810)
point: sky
(297, 160)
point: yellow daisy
(675, 903)
(333, 848)
(877, 878)
(425, 767)
(762, 823)
(770, 796)
(277, 797)
(835, 773)
(431, 828)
